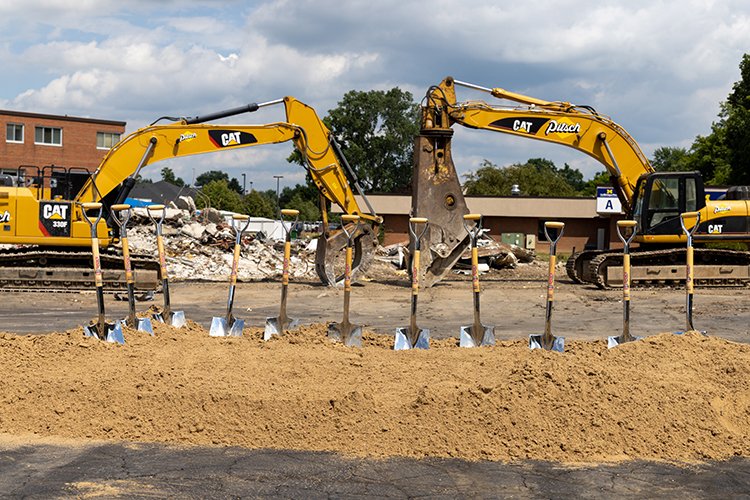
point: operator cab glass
(661, 198)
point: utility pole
(278, 203)
(244, 191)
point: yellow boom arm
(579, 127)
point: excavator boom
(655, 199)
(115, 177)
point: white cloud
(659, 69)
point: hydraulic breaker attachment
(437, 196)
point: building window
(14, 132)
(50, 136)
(105, 140)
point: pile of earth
(667, 397)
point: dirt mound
(668, 397)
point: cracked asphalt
(42, 470)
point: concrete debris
(491, 253)
(198, 250)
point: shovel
(548, 341)
(623, 225)
(413, 337)
(230, 326)
(174, 318)
(101, 329)
(132, 321)
(477, 334)
(689, 269)
(277, 326)
(349, 334)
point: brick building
(40, 140)
(518, 217)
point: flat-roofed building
(41, 140)
(514, 218)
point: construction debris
(200, 248)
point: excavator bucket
(437, 196)
(330, 254)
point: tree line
(376, 130)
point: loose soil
(667, 397)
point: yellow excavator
(41, 214)
(654, 199)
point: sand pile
(668, 397)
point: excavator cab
(661, 197)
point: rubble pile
(200, 247)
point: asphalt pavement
(129, 470)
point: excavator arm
(114, 178)
(578, 127)
(188, 137)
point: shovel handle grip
(350, 217)
(120, 207)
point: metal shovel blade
(144, 325)
(178, 319)
(275, 326)
(467, 336)
(536, 342)
(236, 329)
(350, 335)
(403, 343)
(218, 327)
(614, 340)
(113, 333)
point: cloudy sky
(658, 68)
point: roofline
(26, 114)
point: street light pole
(278, 203)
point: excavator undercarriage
(661, 268)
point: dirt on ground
(667, 397)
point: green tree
(537, 177)
(308, 211)
(218, 175)
(737, 122)
(376, 130)
(257, 204)
(723, 156)
(222, 196)
(573, 176)
(670, 159)
(600, 179)
(167, 174)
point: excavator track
(71, 270)
(714, 268)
